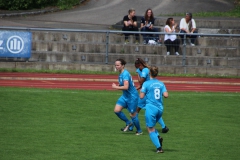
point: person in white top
(171, 40)
(188, 25)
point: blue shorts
(129, 104)
(142, 102)
(152, 115)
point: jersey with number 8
(153, 90)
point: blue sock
(131, 127)
(122, 116)
(161, 122)
(136, 123)
(157, 132)
(154, 138)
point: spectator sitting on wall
(147, 23)
(130, 24)
(188, 25)
(170, 40)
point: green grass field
(54, 124)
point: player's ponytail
(142, 62)
(154, 71)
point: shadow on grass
(167, 150)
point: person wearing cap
(188, 25)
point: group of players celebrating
(152, 92)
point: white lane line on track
(43, 90)
(114, 80)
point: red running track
(103, 82)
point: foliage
(32, 4)
(67, 4)
(232, 13)
(25, 4)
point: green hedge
(66, 4)
(32, 4)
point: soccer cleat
(159, 150)
(160, 140)
(165, 130)
(177, 53)
(139, 133)
(126, 128)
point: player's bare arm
(124, 87)
(165, 94)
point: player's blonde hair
(154, 71)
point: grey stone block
(166, 69)
(227, 52)
(222, 71)
(7, 64)
(191, 61)
(233, 62)
(196, 70)
(219, 62)
(30, 65)
(100, 58)
(209, 51)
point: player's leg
(118, 110)
(165, 129)
(158, 117)
(126, 34)
(150, 118)
(132, 107)
(136, 123)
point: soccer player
(143, 76)
(129, 98)
(154, 91)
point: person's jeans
(168, 43)
(147, 37)
(128, 34)
(192, 37)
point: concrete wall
(110, 67)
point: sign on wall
(15, 44)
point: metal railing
(108, 32)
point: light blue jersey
(154, 90)
(130, 97)
(144, 73)
(131, 91)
